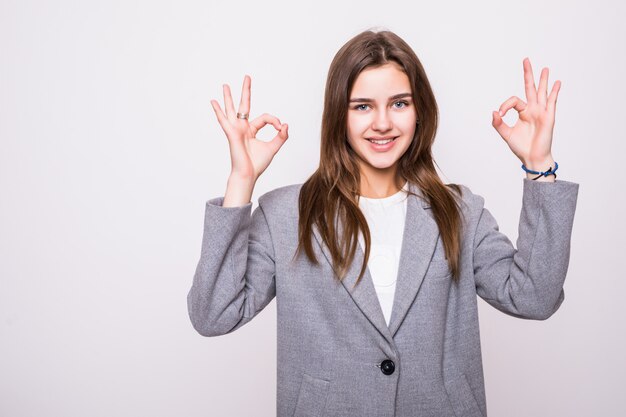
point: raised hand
(249, 156)
(530, 138)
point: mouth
(381, 141)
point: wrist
(238, 180)
(540, 166)
(238, 191)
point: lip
(385, 147)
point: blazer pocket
(312, 397)
(462, 398)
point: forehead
(386, 80)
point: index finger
(263, 120)
(244, 103)
(529, 82)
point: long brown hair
(334, 187)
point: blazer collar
(418, 244)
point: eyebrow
(369, 100)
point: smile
(382, 142)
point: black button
(387, 367)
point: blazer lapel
(364, 294)
(418, 244)
(419, 241)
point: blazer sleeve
(527, 282)
(234, 278)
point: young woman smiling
(374, 262)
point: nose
(382, 121)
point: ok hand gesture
(530, 138)
(249, 156)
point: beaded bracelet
(542, 174)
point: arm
(234, 278)
(528, 282)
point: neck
(381, 183)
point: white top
(385, 219)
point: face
(381, 118)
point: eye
(403, 104)
(360, 107)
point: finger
(529, 82)
(513, 102)
(280, 139)
(551, 104)
(228, 102)
(542, 92)
(263, 120)
(244, 103)
(503, 129)
(221, 117)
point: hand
(249, 156)
(530, 138)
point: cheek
(357, 125)
(407, 124)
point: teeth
(380, 142)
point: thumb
(280, 138)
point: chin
(383, 164)
(380, 163)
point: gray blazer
(336, 355)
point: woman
(374, 262)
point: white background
(109, 150)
